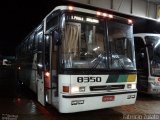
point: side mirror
(56, 37)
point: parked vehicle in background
(6, 62)
(147, 49)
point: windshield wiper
(98, 60)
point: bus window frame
(106, 39)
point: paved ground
(22, 105)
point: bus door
(54, 70)
(142, 64)
(40, 71)
(40, 80)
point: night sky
(18, 19)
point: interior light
(70, 8)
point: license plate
(108, 98)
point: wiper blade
(99, 59)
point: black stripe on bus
(93, 95)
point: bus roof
(63, 5)
(95, 8)
(146, 34)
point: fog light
(131, 86)
(75, 89)
(81, 89)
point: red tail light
(47, 79)
(47, 74)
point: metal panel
(152, 10)
(101, 3)
(139, 7)
(123, 6)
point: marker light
(19, 68)
(18, 99)
(66, 89)
(47, 74)
(70, 8)
(104, 14)
(110, 16)
(130, 21)
(98, 13)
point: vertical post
(131, 7)
(89, 1)
(111, 4)
(147, 10)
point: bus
(147, 49)
(80, 58)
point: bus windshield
(86, 45)
(153, 43)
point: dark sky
(18, 18)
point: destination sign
(87, 19)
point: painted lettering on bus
(88, 79)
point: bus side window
(39, 38)
(139, 46)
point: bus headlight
(131, 86)
(76, 89)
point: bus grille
(107, 87)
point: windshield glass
(153, 44)
(85, 45)
(121, 45)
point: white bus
(147, 48)
(80, 59)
